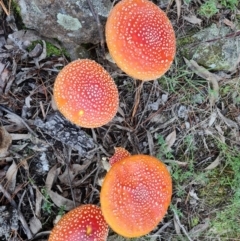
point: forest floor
(190, 123)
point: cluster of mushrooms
(136, 191)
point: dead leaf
(11, 176)
(51, 177)
(170, 139)
(179, 5)
(212, 118)
(181, 164)
(214, 164)
(38, 205)
(60, 201)
(200, 228)
(193, 19)
(20, 136)
(229, 23)
(5, 141)
(228, 122)
(72, 173)
(213, 79)
(150, 143)
(35, 224)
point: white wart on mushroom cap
(86, 94)
(140, 39)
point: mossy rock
(215, 48)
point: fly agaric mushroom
(119, 154)
(86, 94)
(140, 39)
(135, 195)
(85, 222)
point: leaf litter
(33, 157)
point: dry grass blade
(4, 7)
(179, 5)
(176, 217)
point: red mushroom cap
(85, 222)
(135, 195)
(86, 94)
(119, 154)
(140, 39)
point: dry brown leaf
(150, 143)
(176, 226)
(193, 19)
(229, 23)
(5, 141)
(200, 228)
(212, 118)
(214, 164)
(35, 224)
(181, 164)
(51, 177)
(213, 79)
(228, 122)
(170, 139)
(11, 176)
(72, 173)
(179, 5)
(38, 205)
(60, 201)
(21, 136)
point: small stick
(4, 8)
(68, 170)
(180, 225)
(137, 99)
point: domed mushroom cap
(85, 222)
(119, 154)
(135, 195)
(140, 39)
(86, 94)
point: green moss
(16, 12)
(51, 49)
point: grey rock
(68, 21)
(216, 48)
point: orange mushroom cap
(140, 39)
(119, 154)
(85, 222)
(86, 94)
(135, 195)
